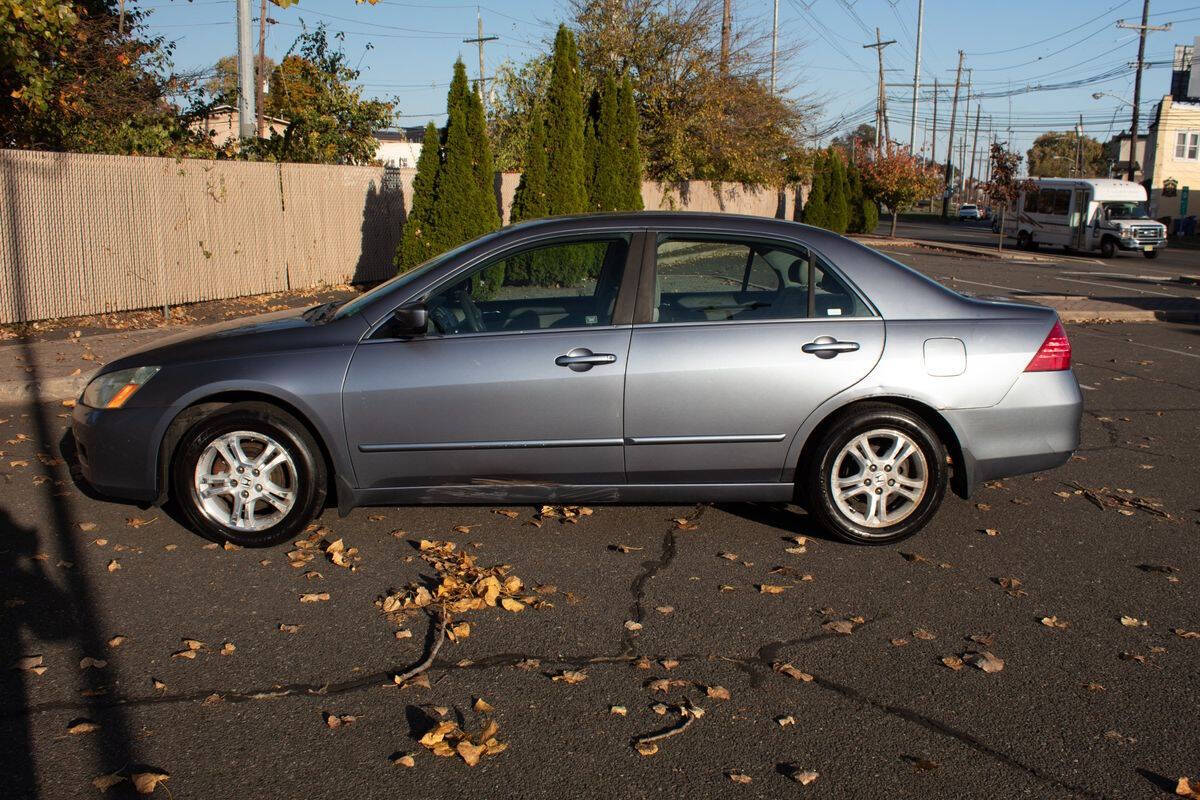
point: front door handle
(828, 347)
(581, 359)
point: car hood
(262, 334)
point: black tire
(1150, 253)
(311, 476)
(816, 475)
(1108, 247)
(1024, 240)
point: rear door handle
(828, 347)
(581, 359)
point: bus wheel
(1150, 253)
(1024, 240)
(1108, 247)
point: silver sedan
(652, 357)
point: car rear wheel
(877, 475)
(250, 474)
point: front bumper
(1141, 244)
(118, 450)
(1035, 427)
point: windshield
(357, 304)
(1125, 210)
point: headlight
(1127, 234)
(112, 389)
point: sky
(405, 50)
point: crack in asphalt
(651, 568)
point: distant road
(1170, 260)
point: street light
(1099, 95)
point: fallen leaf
(337, 721)
(314, 597)
(114, 565)
(921, 633)
(87, 526)
(783, 722)
(146, 782)
(571, 676)
(1133, 622)
(618, 711)
(1185, 788)
(924, 764)
(227, 649)
(1185, 634)
(288, 628)
(117, 641)
(405, 760)
(504, 512)
(82, 725)
(804, 777)
(717, 692)
(632, 625)
(985, 661)
(106, 782)
(771, 588)
(625, 548)
(646, 748)
(669, 663)
(1055, 622)
(991, 532)
(953, 662)
(792, 672)
(841, 626)
(87, 662)
(739, 777)
(483, 706)
(139, 522)
(665, 609)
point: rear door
(519, 379)
(738, 340)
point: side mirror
(410, 320)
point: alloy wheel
(245, 481)
(879, 478)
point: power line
(1055, 36)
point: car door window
(557, 285)
(730, 280)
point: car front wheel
(877, 475)
(250, 474)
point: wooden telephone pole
(259, 77)
(726, 33)
(480, 40)
(1137, 78)
(950, 142)
(881, 132)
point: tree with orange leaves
(896, 178)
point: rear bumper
(117, 450)
(1035, 427)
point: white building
(399, 148)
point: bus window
(1062, 201)
(1031, 202)
(1046, 201)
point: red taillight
(1054, 354)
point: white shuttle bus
(1087, 215)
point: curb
(951, 247)
(67, 388)
(1194, 280)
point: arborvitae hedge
(816, 209)
(418, 242)
(565, 192)
(606, 156)
(838, 189)
(629, 192)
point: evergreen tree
(629, 193)
(591, 120)
(417, 243)
(816, 210)
(839, 206)
(529, 201)
(565, 191)
(605, 189)
(464, 205)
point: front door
(1079, 219)
(519, 378)
(744, 339)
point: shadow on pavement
(42, 611)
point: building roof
(415, 134)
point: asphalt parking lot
(632, 608)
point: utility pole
(260, 77)
(245, 72)
(1079, 148)
(726, 31)
(933, 141)
(775, 42)
(480, 40)
(1137, 78)
(962, 148)
(974, 149)
(121, 20)
(950, 142)
(881, 100)
(912, 129)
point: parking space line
(1113, 286)
(1137, 344)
